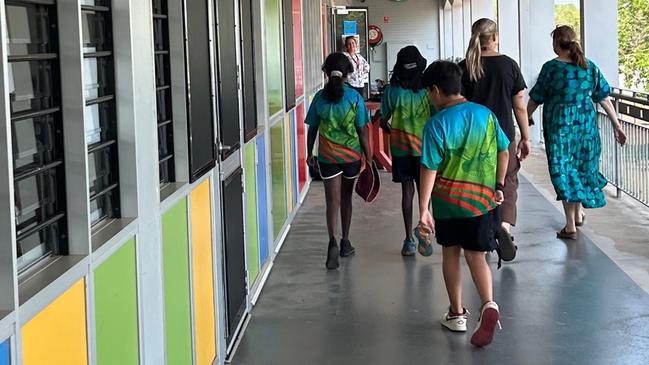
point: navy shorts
(348, 170)
(406, 168)
(473, 234)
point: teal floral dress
(572, 141)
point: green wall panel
(274, 64)
(116, 308)
(252, 233)
(175, 251)
(278, 174)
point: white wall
(601, 36)
(411, 22)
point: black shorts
(348, 170)
(473, 234)
(406, 168)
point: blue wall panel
(294, 159)
(262, 202)
(4, 353)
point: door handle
(224, 148)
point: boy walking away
(405, 109)
(464, 162)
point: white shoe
(455, 323)
(486, 328)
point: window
(36, 130)
(163, 90)
(100, 115)
(273, 55)
(568, 12)
(202, 152)
(289, 56)
(248, 67)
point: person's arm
(620, 137)
(427, 182)
(310, 142)
(520, 112)
(531, 107)
(364, 137)
(501, 172)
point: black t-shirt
(501, 81)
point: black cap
(410, 62)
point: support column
(482, 9)
(508, 29)
(600, 41)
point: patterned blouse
(361, 74)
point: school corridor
(561, 302)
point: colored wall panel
(279, 209)
(4, 353)
(175, 263)
(250, 197)
(301, 146)
(57, 335)
(202, 274)
(297, 47)
(294, 161)
(289, 162)
(116, 308)
(274, 65)
(262, 202)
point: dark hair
(334, 64)
(408, 68)
(348, 38)
(446, 75)
(566, 38)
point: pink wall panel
(301, 146)
(297, 48)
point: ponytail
(334, 88)
(577, 54)
(337, 66)
(564, 37)
(482, 32)
(473, 61)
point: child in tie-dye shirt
(338, 114)
(405, 109)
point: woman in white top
(360, 76)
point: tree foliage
(633, 28)
(567, 14)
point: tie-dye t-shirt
(461, 143)
(409, 111)
(336, 123)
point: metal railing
(627, 167)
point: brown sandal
(563, 234)
(583, 220)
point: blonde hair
(565, 37)
(482, 32)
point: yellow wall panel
(203, 283)
(57, 335)
(289, 154)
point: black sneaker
(332, 255)
(346, 248)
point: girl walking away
(338, 114)
(495, 81)
(567, 86)
(405, 109)
(463, 165)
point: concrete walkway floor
(561, 302)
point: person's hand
(426, 219)
(310, 160)
(620, 137)
(387, 128)
(499, 197)
(524, 148)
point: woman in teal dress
(568, 86)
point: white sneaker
(455, 323)
(486, 328)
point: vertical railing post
(616, 148)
